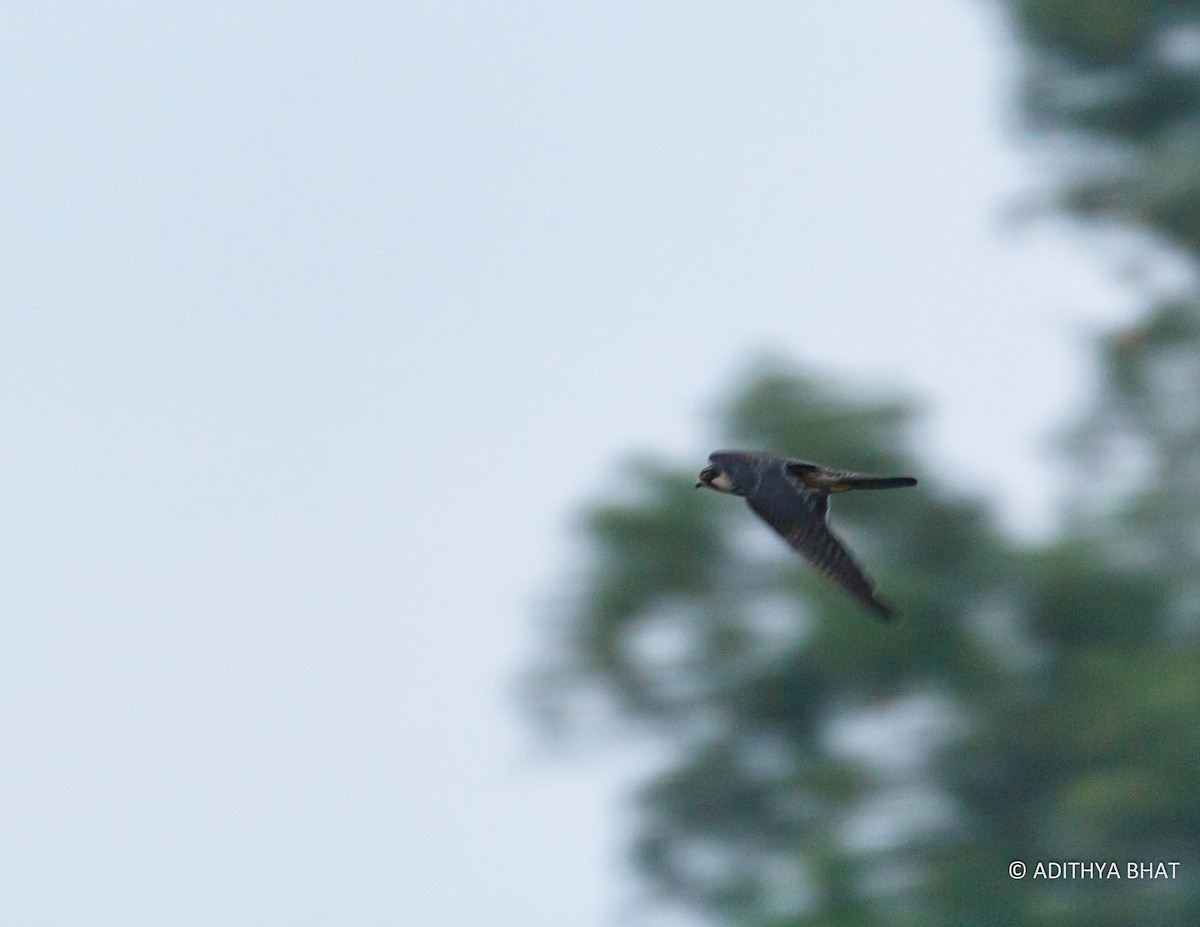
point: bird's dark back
(778, 493)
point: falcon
(792, 496)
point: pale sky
(320, 322)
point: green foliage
(1122, 77)
(1053, 695)
(1042, 701)
(1100, 33)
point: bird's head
(714, 478)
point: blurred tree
(1123, 78)
(1042, 702)
(803, 731)
(1115, 605)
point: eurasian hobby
(792, 496)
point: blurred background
(356, 365)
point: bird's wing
(800, 519)
(815, 481)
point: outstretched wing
(800, 519)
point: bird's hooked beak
(706, 477)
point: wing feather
(800, 519)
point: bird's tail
(824, 480)
(873, 482)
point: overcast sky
(319, 323)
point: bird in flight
(792, 496)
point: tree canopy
(1042, 700)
